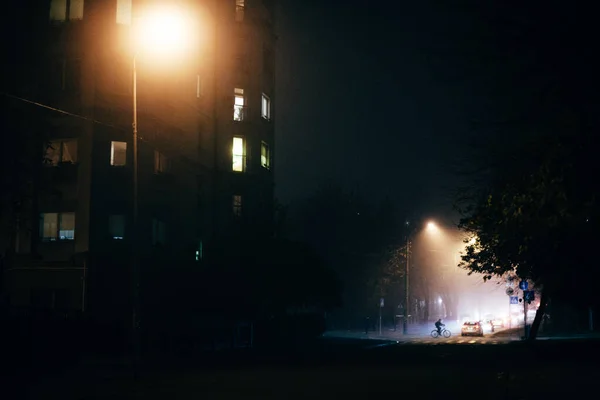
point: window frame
(240, 10)
(267, 162)
(265, 107)
(67, 9)
(241, 158)
(112, 154)
(112, 227)
(162, 163)
(49, 161)
(237, 205)
(57, 228)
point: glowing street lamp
(432, 228)
(162, 31)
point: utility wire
(193, 164)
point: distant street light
(431, 228)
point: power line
(193, 164)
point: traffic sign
(510, 291)
(514, 299)
(523, 285)
(529, 295)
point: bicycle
(445, 333)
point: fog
(453, 294)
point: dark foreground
(336, 368)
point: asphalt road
(337, 368)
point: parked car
(470, 328)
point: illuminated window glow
(265, 108)
(118, 154)
(124, 12)
(57, 226)
(238, 104)
(238, 154)
(240, 9)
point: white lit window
(118, 153)
(116, 226)
(238, 104)
(57, 226)
(61, 151)
(124, 12)
(265, 107)
(161, 163)
(240, 9)
(199, 88)
(265, 155)
(66, 10)
(159, 232)
(239, 154)
(237, 205)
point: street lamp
(160, 30)
(431, 228)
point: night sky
(367, 97)
(385, 95)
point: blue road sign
(514, 299)
(523, 285)
(529, 295)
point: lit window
(238, 104)
(57, 226)
(118, 153)
(61, 151)
(265, 155)
(240, 8)
(66, 10)
(161, 163)
(237, 205)
(199, 88)
(239, 154)
(124, 12)
(266, 107)
(116, 226)
(159, 232)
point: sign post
(381, 303)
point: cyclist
(438, 326)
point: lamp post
(406, 285)
(161, 28)
(135, 258)
(431, 228)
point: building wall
(85, 72)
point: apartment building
(205, 150)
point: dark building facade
(205, 152)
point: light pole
(134, 249)
(406, 286)
(162, 28)
(432, 228)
